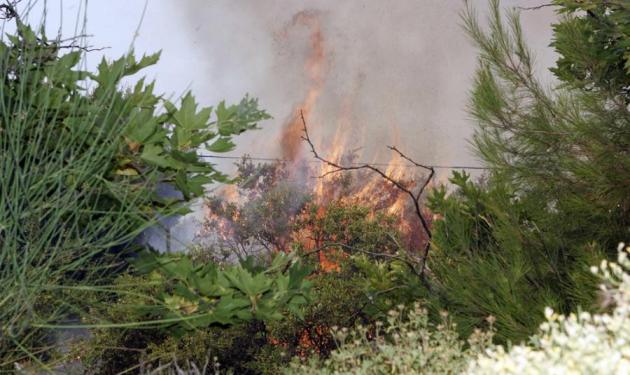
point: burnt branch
(537, 6)
(8, 11)
(415, 197)
(79, 47)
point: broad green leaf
(222, 144)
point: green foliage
(311, 334)
(567, 147)
(565, 344)
(407, 344)
(593, 41)
(386, 284)
(354, 226)
(557, 193)
(81, 161)
(492, 254)
(241, 349)
(191, 312)
(368, 289)
(111, 351)
(194, 296)
(361, 292)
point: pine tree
(558, 194)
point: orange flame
(291, 142)
(364, 187)
(368, 188)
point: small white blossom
(576, 344)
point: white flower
(574, 344)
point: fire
(229, 193)
(315, 69)
(365, 188)
(361, 187)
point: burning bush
(256, 215)
(280, 206)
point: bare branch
(415, 197)
(78, 47)
(8, 11)
(536, 7)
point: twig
(536, 7)
(325, 246)
(415, 197)
(82, 48)
(8, 10)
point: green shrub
(356, 227)
(406, 344)
(360, 293)
(581, 343)
(556, 197)
(81, 162)
(189, 311)
(193, 296)
(338, 299)
(593, 44)
(490, 257)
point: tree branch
(8, 10)
(537, 6)
(415, 197)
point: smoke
(367, 74)
(388, 72)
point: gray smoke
(394, 72)
(397, 71)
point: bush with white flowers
(407, 343)
(580, 343)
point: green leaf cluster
(494, 254)
(195, 296)
(557, 191)
(82, 156)
(407, 342)
(352, 225)
(593, 42)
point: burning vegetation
(284, 205)
(275, 206)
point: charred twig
(78, 47)
(7, 10)
(537, 6)
(415, 197)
